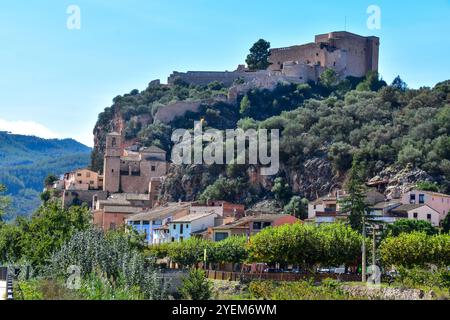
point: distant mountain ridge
(25, 161)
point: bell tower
(113, 144)
(111, 169)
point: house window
(174, 227)
(220, 236)
(429, 217)
(412, 199)
(416, 215)
(181, 228)
(113, 142)
(421, 198)
(146, 223)
(88, 174)
(78, 174)
(257, 225)
(267, 225)
(153, 168)
(187, 226)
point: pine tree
(355, 201)
(258, 59)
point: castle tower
(111, 169)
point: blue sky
(55, 81)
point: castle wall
(203, 78)
(178, 109)
(310, 53)
(79, 197)
(346, 53)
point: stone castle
(346, 53)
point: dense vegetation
(26, 161)
(383, 126)
(32, 241)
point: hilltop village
(128, 190)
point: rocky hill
(401, 135)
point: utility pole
(364, 267)
(374, 247)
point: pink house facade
(438, 201)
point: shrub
(196, 286)
(301, 290)
(420, 277)
(114, 256)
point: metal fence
(240, 276)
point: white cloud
(28, 128)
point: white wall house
(152, 222)
(438, 201)
(183, 228)
(419, 212)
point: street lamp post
(364, 267)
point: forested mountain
(399, 134)
(25, 161)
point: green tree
(443, 118)
(4, 202)
(45, 196)
(329, 78)
(427, 186)
(355, 201)
(446, 224)
(245, 105)
(340, 154)
(409, 226)
(415, 249)
(49, 228)
(410, 155)
(195, 286)
(50, 180)
(372, 82)
(10, 248)
(297, 207)
(281, 190)
(188, 253)
(224, 189)
(399, 84)
(231, 250)
(339, 245)
(306, 245)
(258, 59)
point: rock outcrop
(382, 293)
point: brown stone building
(111, 213)
(128, 171)
(347, 53)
